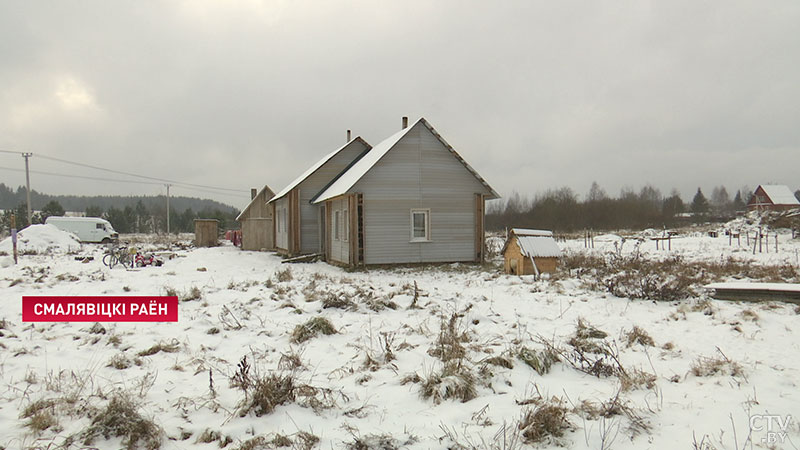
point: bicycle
(118, 255)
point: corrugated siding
(419, 172)
(310, 215)
(281, 226)
(340, 250)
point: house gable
(346, 183)
(419, 173)
(258, 205)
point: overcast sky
(534, 95)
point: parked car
(88, 229)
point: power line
(113, 180)
(39, 172)
(119, 172)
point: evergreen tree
(738, 203)
(94, 211)
(52, 208)
(699, 203)
(118, 220)
(720, 199)
(672, 206)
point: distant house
(530, 252)
(257, 221)
(772, 197)
(299, 223)
(410, 199)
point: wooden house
(772, 197)
(410, 199)
(530, 252)
(257, 222)
(298, 222)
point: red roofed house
(772, 197)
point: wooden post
(669, 241)
(14, 236)
(760, 237)
(776, 242)
(748, 238)
(739, 239)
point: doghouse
(530, 252)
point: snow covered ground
(711, 376)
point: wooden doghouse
(206, 232)
(530, 252)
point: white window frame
(336, 230)
(427, 213)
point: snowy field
(453, 356)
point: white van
(88, 229)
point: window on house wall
(346, 227)
(336, 218)
(420, 225)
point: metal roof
(350, 177)
(780, 194)
(529, 232)
(314, 168)
(534, 243)
(538, 246)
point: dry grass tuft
(121, 418)
(540, 361)
(284, 275)
(449, 344)
(338, 300)
(268, 392)
(312, 328)
(638, 336)
(705, 366)
(120, 362)
(454, 381)
(546, 422)
(166, 347)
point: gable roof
(780, 194)
(315, 167)
(351, 176)
(534, 243)
(270, 194)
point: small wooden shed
(530, 252)
(257, 221)
(206, 232)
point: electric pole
(28, 185)
(167, 209)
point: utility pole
(28, 185)
(167, 209)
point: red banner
(99, 309)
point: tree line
(11, 198)
(128, 219)
(562, 210)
